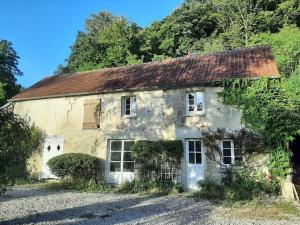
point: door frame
(186, 157)
(45, 167)
(122, 161)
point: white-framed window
(121, 156)
(129, 106)
(195, 152)
(195, 103)
(231, 152)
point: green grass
(27, 182)
(261, 210)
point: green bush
(239, 185)
(77, 166)
(210, 190)
(151, 156)
(280, 165)
(18, 141)
(149, 187)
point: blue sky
(42, 31)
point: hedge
(76, 166)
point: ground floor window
(121, 156)
(231, 152)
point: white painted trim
(195, 112)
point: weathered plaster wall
(160, 115)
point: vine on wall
(247, 142)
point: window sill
(195, 114)
(130, 117)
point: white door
(52, 147)
(194, 163)
(121, 164)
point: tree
(85, 53)
(120, 41)
(8, 70)
(200, 26)
(18, 140)
(285, 46)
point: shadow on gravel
(18, 193)
(124, 211)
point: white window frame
(197, 96)
(122, 152)
(195, 152)
(132, 105)
(232, 151)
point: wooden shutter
(91, 116)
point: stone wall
(160, 115)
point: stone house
(103, 112)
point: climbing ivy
(267, 108)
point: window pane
(116, 145)
(191, 108)
(199, 101)
(198, 158)
(192, 158)
(227, 160)
(127, 156)
(133, 100)
(226, 152)
(198, 146)
(133, 112)
(127, 145)
(191, 146)
(127, 101)
(128, 167)
(115, 156)
(199, 106)
(127, 111)
(115, 166)
(226, 144)
(191, 102)
(133, 106)
(191, 97)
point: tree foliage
(197, 25)
(267, 108)
(8, 70)
(285, 46)
(18, 141)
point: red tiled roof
(184, 71)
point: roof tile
(248, 62)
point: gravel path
(32, 206)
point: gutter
(6, 105)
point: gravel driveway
(33, 206)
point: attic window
(91, 117)
(58, 147)
(49, 148)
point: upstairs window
(195, 103)
(129, 106)
(232, 152)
